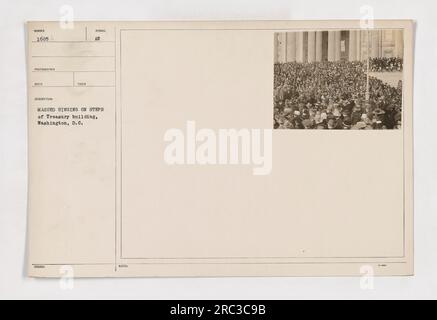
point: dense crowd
(332, 95)
(386, 64)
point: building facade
(346, 45)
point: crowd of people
(386, 64)
(332, 95)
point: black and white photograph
(338, 80)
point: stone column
(299, 47)
(276, 44)
(291, 47)
(319, 46)
(352, 45)
(311, 46)
(331, 45)
(358, 43)
(337, 45)
(399, 43)
(282, 47)
(375, 50)
(366, 36)
(381, 43)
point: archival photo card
(160, 149)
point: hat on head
(360, 125)
(307, 123)
(378, 111)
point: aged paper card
(220, 148)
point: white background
(13, 150)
